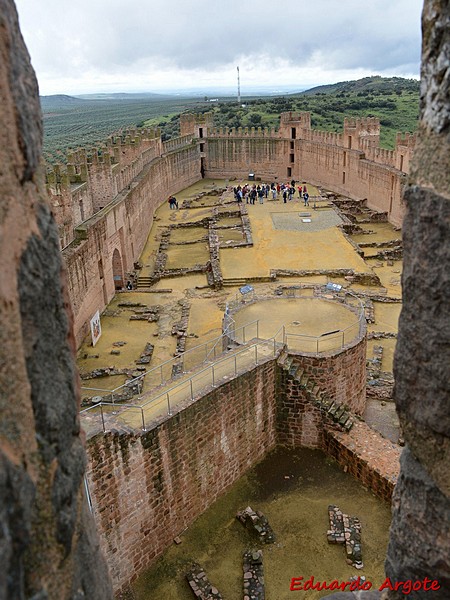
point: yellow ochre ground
(281, 240)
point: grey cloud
(107, 36)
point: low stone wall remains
(365, 454)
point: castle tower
(356, 130)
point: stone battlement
(134, 172)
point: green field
(73, 122)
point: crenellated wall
(123, 225)
(351, 163)
(104, 199)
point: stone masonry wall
(342, 375)
(115, 201)
(358, 168)
(299, 422)
(148, 487)
(48, 542)
(421, 503)
(123, 225)
(366, 455)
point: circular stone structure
(325, 334)
(311, 325)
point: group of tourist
(287, 191)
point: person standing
(284, 195)
(306, 198)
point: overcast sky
(82, 46)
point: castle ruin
(103, 205)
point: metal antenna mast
(239, 87)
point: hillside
(382, 85)
(394, 100)
(58, 101)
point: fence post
(235, 364)
(143, 419)
(162, 376)
(256, 354)
(343, 338)
(317, 345)
(212, 370)
(243, 334)
(257, 329)
(103, 418)
(192, 389)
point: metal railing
(229, 364)
(187, 389)
(162, 373)
(333, 340)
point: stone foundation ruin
(43, 494)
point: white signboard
(96, 328)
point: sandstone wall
(299, 422)
(122, 225)
(104, 200)
(48, 542)
(147, 488)
(367, 456)
(320, 159)
(420, 533)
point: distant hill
(59, 102)
(60, 99)
(126, 96)
(375, 84)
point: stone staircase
(240, 281)
(144, 281)
(333, 410)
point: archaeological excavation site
(217, 398)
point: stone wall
(122, 225)
(351, 163)
(48, 542)
(299, 422)
(147, 488)
(420, 533)
(366, 455)
(104, 200)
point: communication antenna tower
(239, 87)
